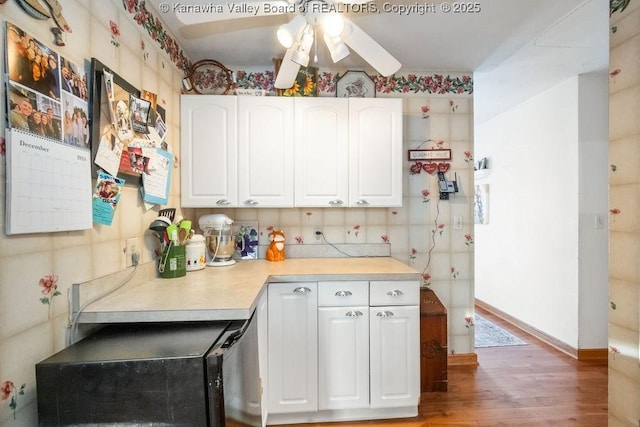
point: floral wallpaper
(155, 29)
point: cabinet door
(375, 152)
(265, 151)
(293, 347)
(343, 358)
(321, 152)
(395, 356)
(208, 151)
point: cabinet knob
(353, 313)
(385, 314)
(251, 202)
(302, 290)
(362, 202)
(343, 294)
(336, 202)
(395, 293)
(223, 202)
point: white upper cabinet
(208, 141)
(282, 152)
(375, 152)
(265, 151)
(321, 152)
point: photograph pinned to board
(109, 152)
(139, 114)
(155, 184)
(105, 197)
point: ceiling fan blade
(288, 70)
(209, 12)
(369, 49)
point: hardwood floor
(530, 385)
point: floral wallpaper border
(438, 84)
(154, 28)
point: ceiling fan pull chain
(315, 45)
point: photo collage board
(129, 142)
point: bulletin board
(127, 140)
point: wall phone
(447, 187)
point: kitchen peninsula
(229, 293)
(337, 338)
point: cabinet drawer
(387, 292)
(343, 293)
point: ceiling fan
(312, 17)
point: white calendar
(48, 185)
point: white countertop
(231, 292)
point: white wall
(528, 256)
(593, 189)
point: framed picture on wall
(357, 84)
(305, 84)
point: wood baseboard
(463, 359)
(591, 354)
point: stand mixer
(220, 241)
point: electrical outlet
(317, 232)
(457, 222)
(132, 248)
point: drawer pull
(223, 202)
(302, 290)
(251, 202)
(385, 314)
(396, 293)
(362, 202)
(343, 294)
(336, 202)
(353, 313)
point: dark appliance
(155, 374)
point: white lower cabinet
(395, 357)
(343, 350)
(343, 345)
(292, 347)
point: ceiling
(524, 38)
(433, 41)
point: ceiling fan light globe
(333, 24)
(289, 32)
(285, 37)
